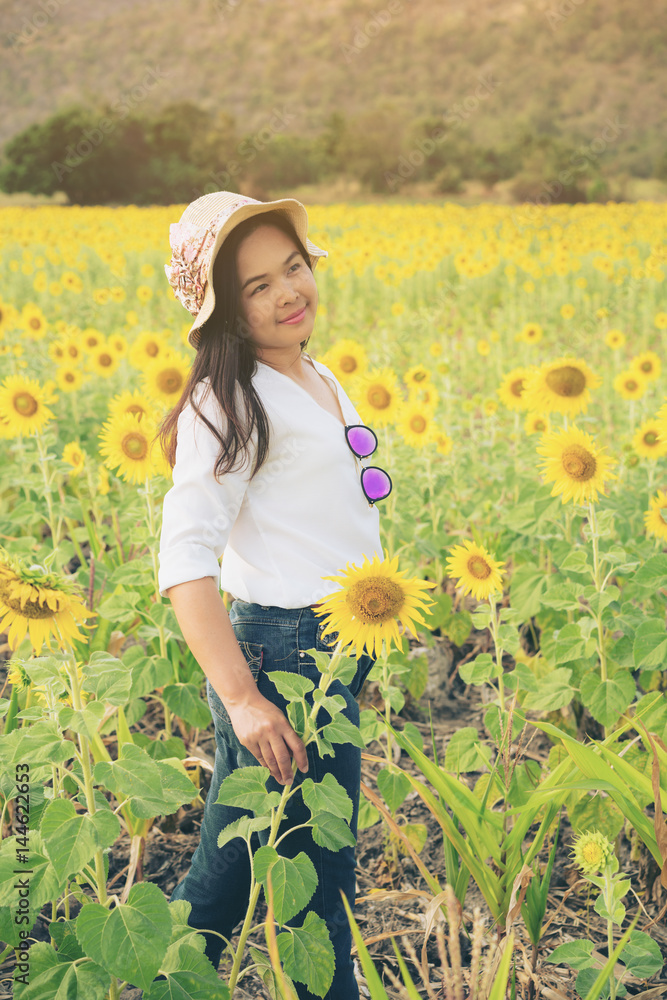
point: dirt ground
(172, 840)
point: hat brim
(299, 218)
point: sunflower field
(514, 726)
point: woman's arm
(260, 725)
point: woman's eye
(295, 264)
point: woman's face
(275, 282)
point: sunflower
(536, 423)
(416, 426)
(23, 405)
(33, 322)
(118, 343)
(567, 311)
(592, 852)
(103, 361)
(38, 602)
(650, 440)
(575, 465)
(512, 387)
(144, 293)
(649, 364)
(73, 352)
(426, 396)
(8, 317)
(475, 570)
(379, 396)
(91, 338)
(530, 334)
(614, 339)
(660, 320)
(416, 377)
(483, 347)
(443, 443)
(69, 378)
(147, 347)
(72, 282)
(130, 402)
(75, 456)
(103, 485)
(165, 378)
(562, 385)
(373, 596)
(630, 384)
(655, 518)
(435, 349)
(128, 445)
(346, 359)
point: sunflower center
(375, 599)
(578, 463)
(516, 387)
(135, 446)
(73, 351)
(25, 404)
(593, 854)
(418, 424)
(105, 360)
(647, 366)
(567, 381)
(478, 567)
(419, 376)
(650, 439)
(379, 397)
(170, 380)
(348, 363)
(69, 377)
(540, 425)
(136, 409)
(152, 349)
(630, 385)
(32, 608)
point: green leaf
(607, 700)
(650, 645)
(562, 597)
(653, 573)
(418, 678)
(592, 812)
(86, 720)
(185, 702)
(642, 955)
(458, 626)
(292, 687)
(341, 730)
(481, 618)
(241, 827)
(307, 954)
(246, 788)
(327, 795)
(368, 815)
(131, 939)
(526, 589)
(413, 734)
(554, 692)
(393, 786)
(107, 677)
(52, 977)
(44, 883)
(508, 636)
(578, 954)
(465, 751)
(570, 644)
(370, 726)
(294, 880)
(331, 831)
(577, 561)
(69, 837)
(120, 608)
(479, 671)
(154, 788)
(135, 573)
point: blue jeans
(218, 882)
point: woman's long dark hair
(227, 354)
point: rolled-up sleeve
(199, 511)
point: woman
(264, 470)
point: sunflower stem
(498, 651)
(47, 490)
(599, 586)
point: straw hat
(197, 237)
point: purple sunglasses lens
(376, 483)
(362, 441)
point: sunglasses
(375, 482)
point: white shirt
(303, 516)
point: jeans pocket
(254, 654)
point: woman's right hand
(262, 728)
